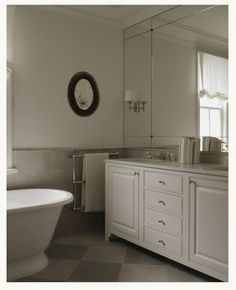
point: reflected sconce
(136, 101)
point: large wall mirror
(138, 75)
(176, 78)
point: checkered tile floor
(88, 258)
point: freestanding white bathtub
(32, 216)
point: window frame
(221, 119)
(223, 109)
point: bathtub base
(26, 267)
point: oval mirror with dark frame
(83, 94)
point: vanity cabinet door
(123, 194)
(209, 223)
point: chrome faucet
(159, 156)
(149, 155)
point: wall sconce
(136, 103)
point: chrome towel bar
(74, 206)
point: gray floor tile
(142, 273)
(66, 252)
(57, 270)
(91, 271)
(179, 274)
(136, 255)
(100, 241)
(77, 240)
(87, 257)
(105, 254)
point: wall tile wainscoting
(50, 168)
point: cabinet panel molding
(209, 225)
(123, 200)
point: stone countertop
(202, 168)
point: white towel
(215, 145)
(93, 191)
(190, 151)
(206, 143)
(196, 150)
(183, 149)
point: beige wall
(48, 49)
(11, 12)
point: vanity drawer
(163, 181)
(162, 221)
(163, 241)
(163, 201)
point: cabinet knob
(162, 182)
(162, 202)
(136, 173)
(191, 182)
(162, 242)
(162, 222)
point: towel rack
(75, 182)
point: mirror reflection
(181, 66)
(137, 83)
(83, 94)
(213, 101)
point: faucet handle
(163, 156)
(172, 156)
(149, 155)
(158, 156)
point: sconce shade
(130, 96)
(143, 96)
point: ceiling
(214, 20)
(124, 15)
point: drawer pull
(136, 173)
(162, 202)
(162, 222)
(162, 242)
(162, 182)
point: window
(213, 96)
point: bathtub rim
(60, 202)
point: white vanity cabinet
(208, 223)
(122, 205)
(176, 213)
